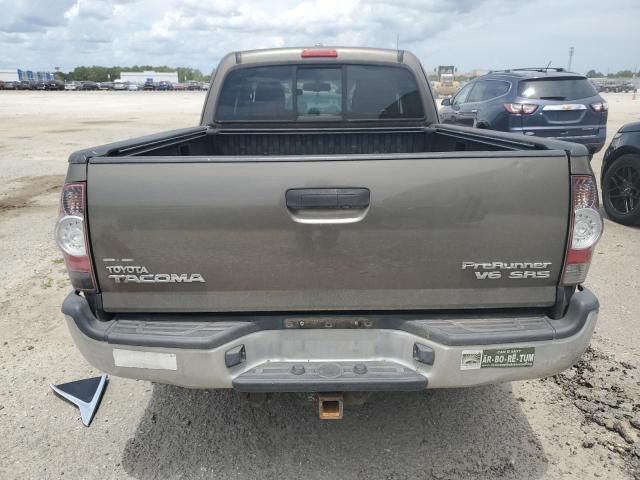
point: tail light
(585, 230)
(71, 236)
(319, 52)
(520, 108)
(600, 106)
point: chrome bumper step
(329, 377)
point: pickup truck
(320, 231)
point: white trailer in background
(9, 75)
(142, 77)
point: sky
(482, 34)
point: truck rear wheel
(621, 190)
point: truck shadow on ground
(463, 433)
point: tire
(621, 190)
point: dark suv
(539, 102)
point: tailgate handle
(327, 198)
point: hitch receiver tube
(330, 406)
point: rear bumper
(268, 355)
(594, 143)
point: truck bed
(207, 141)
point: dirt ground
(577, 425)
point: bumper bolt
(360, 368)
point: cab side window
(488, 89)
(479, 92)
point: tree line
(621, 74)
(109, 74)
(105, 74)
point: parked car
(11, 85)
(87, 85)
(133, 87)
(550, 103)
(72, 86)
(149, 85)
(50, 85)
(615, 85)
(164, 86)
(620, 176)
(193, 85)
(629, 87)
(106, 86)
(28, 85)
(352, 242)
(54, 85)
(180, 86)
(1, 84)
(120, 85)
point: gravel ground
(577, 425)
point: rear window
(375, 92)
(557, 89)
(319, 92)
(263, 93)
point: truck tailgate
(426, 231)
